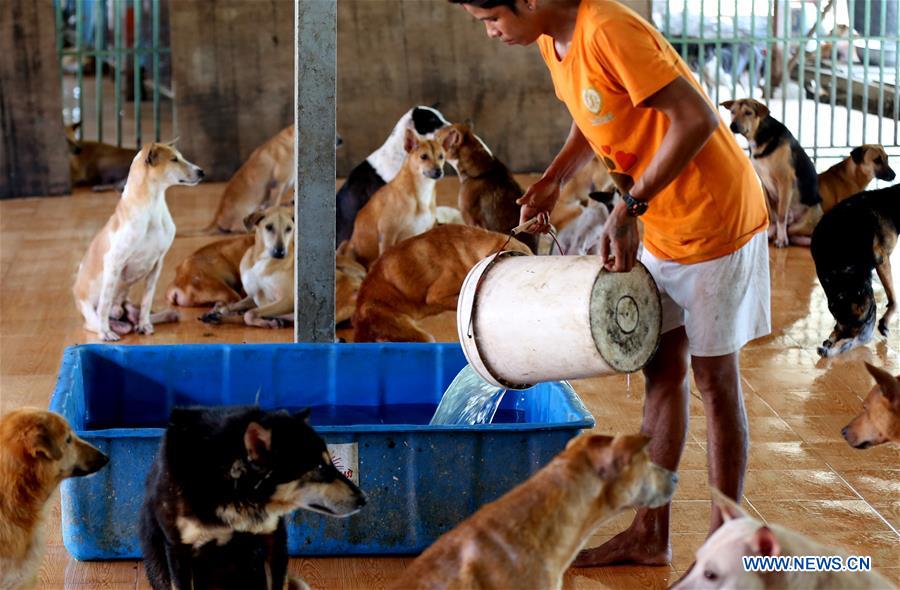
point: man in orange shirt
(635, 104)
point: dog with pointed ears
(787, 174)
(530, 536)
(132, 245)
(219, 490)
(879, 421)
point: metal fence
(125, 38)
(828, 69)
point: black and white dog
(381, 166)
(217, 494)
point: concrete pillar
(314, 209)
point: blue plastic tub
(421, 480)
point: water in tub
(468, 400)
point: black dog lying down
(855, 237)
(213, 514)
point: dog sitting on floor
(786, 172)
(853, 174)
(267, 273)
(421, 277)
(719, 562)
(404, 207)
(856, 237)
(37, 451)
(131, 247)
(218, 492)
(530, 536)
(879, 421)
(487, 191)
(381, 166)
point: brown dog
(487, 191)
(528, 538)
(211, 275)
(880, 420)
(101, 165)
(853, 174)
(786, 172)
(348, 277)
(264, 180)
(37, 451)
(421, 277)
(267, 273)
(402, 208)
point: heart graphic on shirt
(606, 149)
(625, 160)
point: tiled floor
(802, 474)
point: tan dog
(880, 420)
(264, 180)
(487, 191)
(719, 561)
(853, 174)
(530, 536)
(99, 164)
(267, 273)
(37, 451)
(420, 277)
(132, 245)
(785, 170)
(402, 208)
(211, 275)
(348, 278)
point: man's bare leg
(666, 411)
(719, 381)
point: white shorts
(722, 303)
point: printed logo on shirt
(593, 101)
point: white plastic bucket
(527, 319)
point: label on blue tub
(345, 457)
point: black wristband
(634, 207)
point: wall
(233, 75)
(34, 158)
(233, 79)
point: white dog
(719, 561)
(131, 246)
(581, 236)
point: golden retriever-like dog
(37, 451)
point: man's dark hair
(511, 4)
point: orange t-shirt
(615, 62)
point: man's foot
(626, 547)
